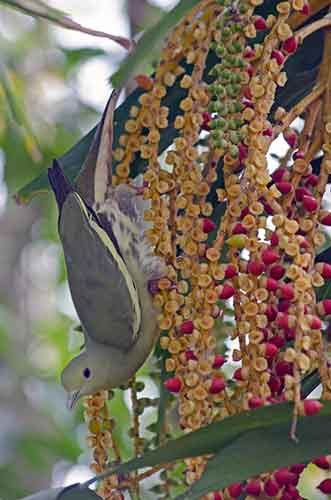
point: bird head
(83, 376)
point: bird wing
(102, 289)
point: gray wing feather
(98, 289)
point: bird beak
(73, 397)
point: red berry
(283, 368)
(255, 402)
(217, 385)
(173, 385)
(186, 327)
(322, 462)
(243, 151)
(268, 132)
(284, 476)
(315, 323)
(238, 374)
(324, 269)
(267, 208)
(269, 256)
(278, 340)
(297, 468)
(283, 306)
(207, 118)
(230, 271)
(277, 272)
(304, 244)
(324, 307)
(217, 495)
(189, 355)
(253, 487)
(274, 240)
(249, 53)
(260, 23)
(285, 320)
(275, 384)
(325, 218)
(227, 292)
(310, 203)
(239, 229)
(287, 292)
(290, 45)
(270, 350)
(271, 313)
(312, 180)
(325, 486)
(271, 284)
(301, 192)
(219, 361)
(208, 226)
(306, 9)
(244, 212)
(311, 407)
(292, 490)
(278, 174)
(250, 70)
(278, 55)
(284, 187)
(247, 93)
(271, 488)
(289, 334)
(290, 137)
(235, 490)
(255, 267)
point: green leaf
(220, 435)
(324, 292)
(254, 453)
(153, 36)
(51, 494)
(72, 492)
(77, 492)
(71, 163)
(74, 57)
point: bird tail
(59, 183)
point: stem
(136, 440)
(115, 448)
(305, 137)
(299, 108)
(311, 28)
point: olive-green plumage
(109, 264)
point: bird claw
(153, 286)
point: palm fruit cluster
(260, 256)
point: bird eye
(87, 372)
